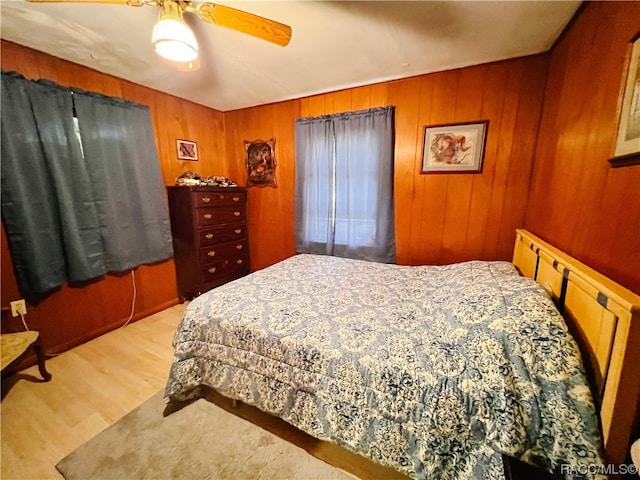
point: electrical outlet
(18, 307)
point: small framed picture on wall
(260, 162)
(627, 147)
(454, 148)
(187, 150)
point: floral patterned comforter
(436, 371)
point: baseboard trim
(31, 360)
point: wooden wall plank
(479, 214)
(423, 209)
(467, 108)
(314, 106)
(342, 101)
(498, 202)
(431, 189)
(361, 98)
(378, 97)
(470, 110)
(523, 144)
(406, 147)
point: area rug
(200, 441)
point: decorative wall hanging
(627, 149)
(454, 148)
(187, 150)
(260, 162)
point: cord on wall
(133, 303)
(24, 322)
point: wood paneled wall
(577, 202)
(74, 314)
(439, 218)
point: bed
(436, 371)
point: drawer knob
(206, 199)
(211, 253)
(212, 270)
(237, 214)
(236, 199)
(209, 236)
(239, 247)
(238, 230)
(207, 216)
(239, 262)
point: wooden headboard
(604, 319)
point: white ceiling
(334, 44)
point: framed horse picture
(454, 148)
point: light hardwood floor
(97, 383)
(93, 385)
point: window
(344, 185)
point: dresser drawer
(210, 199)
(234, 266)
(218, 215)
(225, 233)
(223, 251)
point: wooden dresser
(209, 228)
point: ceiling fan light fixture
(171, 37)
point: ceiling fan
(173, 39)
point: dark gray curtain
(123, 166)
(344, 185)
(53, 200)
(47, 203)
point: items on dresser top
(210, 239)
(193, 179)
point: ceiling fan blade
(244, 22)
(133, 3)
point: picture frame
(260, 163)
(454, 148)
(627, 146)
(187, 150)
